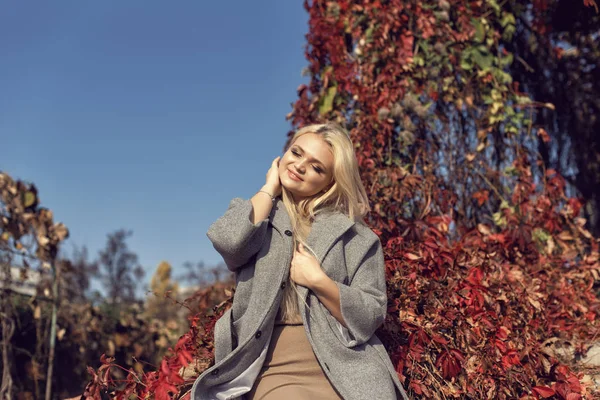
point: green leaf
(466, 64)
(507, 60)
(466, 61)
(418, 60)
(503, 77)
(369, 33)
(523, 100)
(479, 31)
(494, 6)
(507, 19)
(482, 57)
(508, 32)
(425, 47)
(512, 129)
(499, 219)
(327, 103)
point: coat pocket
(339, 330)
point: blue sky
(147, 115)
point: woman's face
(307, 167)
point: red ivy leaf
(416, 387)
(590, 3)
(482, 196)
(574, 384)
(512, 358)
(184, 357)
(164, 368)
(164, 391)
(543, 391)
(449, 363)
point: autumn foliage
(489, 261)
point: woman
(310, 281)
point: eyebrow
(312, 159)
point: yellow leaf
(28, 199)
(496, 106)
(535, 303)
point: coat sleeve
(363, 302)
(234, 236)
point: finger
(304, 251)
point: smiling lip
(294, 176)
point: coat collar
(325, 231)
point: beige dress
(291, 370)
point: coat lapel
(325, 231)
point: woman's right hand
(273, 184)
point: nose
(299, 166)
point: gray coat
(350, 253)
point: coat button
(288, 232)
(215, 371)
(258, 334)
(282, 285)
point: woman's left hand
(305, 269)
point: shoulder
(365, 234)
(353, 228)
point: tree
(30, 239)
(78, 274)
(163, 290)
(198, 275)
(119, 269)
(558, 63)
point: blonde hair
(346, 195)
